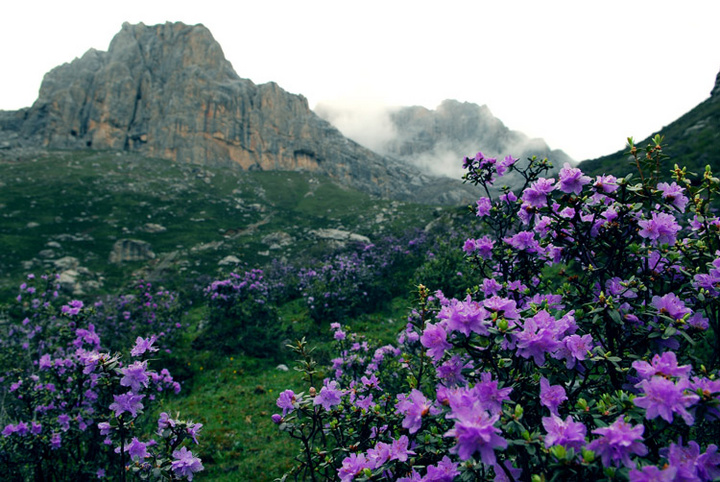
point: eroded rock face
(167, 91)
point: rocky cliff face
(167, 91)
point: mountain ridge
(167, 91)
(692, 140)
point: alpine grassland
(170, 322)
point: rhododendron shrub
(71, 410)
(585, 347)
(240, 316)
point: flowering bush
(586, 348)
(240, 316)
(350, 283)
(73, 411)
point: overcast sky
(582, 75)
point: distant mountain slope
(101, 218)
(167, 91)
(437, 140)
(693, 141)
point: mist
(435, 141)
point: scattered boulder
(339, 235)
(153, 228)
(125, 250)
(278, 240)
(228, 260)
(67, 263)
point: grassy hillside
(693, 141)
(79, 204)
(63, 205)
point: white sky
(582, 75)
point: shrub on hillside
(576, 355)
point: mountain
(437, 140)
(167, 91)
(693, 140)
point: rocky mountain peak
(167, 91)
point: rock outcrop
(126, 250)
(167, 91)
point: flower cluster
(586, 346)
(72, 408)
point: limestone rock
(167, 91)
(125, 250)
(153, 228)
(229, 260)
(339, 237)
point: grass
(79, 204)
(234, 395)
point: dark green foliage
(693, 140)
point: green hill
(103, 217)
(693, 141)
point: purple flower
(444, 471)
(564, 432)
(127, 402)
(414, 407)
(474, 431)
(673, 194)
(483, 207)
(708, 464)
(663, 397)
(469, 246)
(489, 395)
(353, 465)
(399, 449)
(650, 473)
(64, 421)
(574, 348)
(378, 455)
(164, 421)
(524, 241)
(664, 365)
(536, 195)
(671, 306)
(135, 376)
(465, 316)
(72, 308)
(571, 179)
(143, 345)
(185, 464)
(538, 337)
(450, 371)
(8, 430)
(55, 441)
(285, 401)
(329, 395)
(661, 228)
(618, 442)
(137, 449)
(434, 338)
(606, 184)
(551, 396)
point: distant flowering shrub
(346, 284)
(144, 312)
(71, 410)
(586, 347)
(240, 316)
